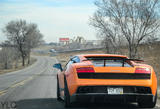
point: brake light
(143, 70)
(85, 70)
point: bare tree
(134, 20)
(24, 36)
(33, 39)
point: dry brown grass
(19, 67)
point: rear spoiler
(125, 59)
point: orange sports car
(109, 77)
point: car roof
(101, 55)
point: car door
(66, 71)
(61, 78)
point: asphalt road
(35, 88)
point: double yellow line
(21, 82)
(2, 92)
(16, 85)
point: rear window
(109, 61)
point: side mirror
(73, 60)
(58, 66)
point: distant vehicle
(53, 50)
(109, 77)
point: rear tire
(58, 90)
(148, 103)
(66, 94)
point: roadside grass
(40, 54)
(19, 67)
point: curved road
(35, 88)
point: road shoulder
(19, 67)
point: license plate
(115, 90)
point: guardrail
(79, 50)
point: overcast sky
(55, 18)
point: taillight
(85, 70)
(143, 70)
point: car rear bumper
(103, 97)
(73, 86)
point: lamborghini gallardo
(107, 77)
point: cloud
(53, 22)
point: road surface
(35, 88)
